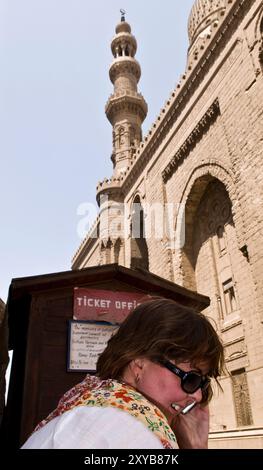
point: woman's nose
(197, 395)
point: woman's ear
(136, 368)
(132, 372)
(139, 362)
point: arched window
(108, 248)
(132, 136)
(210, 245)
(117, 249)
(221, 239)
(139, 249)
(121, 136)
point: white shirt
(93, 428)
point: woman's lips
(176, 407)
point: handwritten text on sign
(105, 305)
(86, 343)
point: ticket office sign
(87, 340)
(105, 305)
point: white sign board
(87, 340)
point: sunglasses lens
(192, 382)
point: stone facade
(204, 154)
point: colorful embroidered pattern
(96, 392)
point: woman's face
(163, 387)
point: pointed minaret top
(123, 26)
(123, 13)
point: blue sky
(55, 140)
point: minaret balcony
(111, 187)
(123, 65)
(128, 101)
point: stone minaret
(126, 109)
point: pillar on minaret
(126, 109)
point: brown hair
(160, 329)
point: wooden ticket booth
(48, 331)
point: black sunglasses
(190, 381)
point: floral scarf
(93, 391)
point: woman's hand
(192, 429)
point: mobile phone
(188, 408)
(184, 410)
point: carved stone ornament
(208, 118)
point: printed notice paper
(87, 340)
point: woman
(159, 362)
